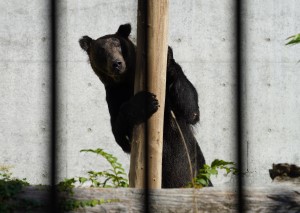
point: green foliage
(204, 175)
(9, 189)
(68, 203)
(295, 39)
(114, 177)
(67, 185)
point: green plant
(204, 175)
(295, 39)
(68, 203)
(67, 185)
(114, 177)
(10, 188)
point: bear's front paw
(143, 105)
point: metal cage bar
(239, 105)
(53, 102)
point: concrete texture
(202, 36)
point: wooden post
(137, 155)
(158, 12)
(157, 36)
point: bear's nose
(117, 65)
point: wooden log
(137, 155)
(156, 76)
(271, 198)
(158, 12)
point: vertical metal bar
(53, 103)
(239, 106)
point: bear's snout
(118, 66)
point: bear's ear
(170, 56)
(124, 30)
(85, 42)
(170, 53)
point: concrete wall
(272, 87)
(202, 36)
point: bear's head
(112, 57)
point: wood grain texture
(158, 12)
(137, 156)
(157, 34)
(283, 198)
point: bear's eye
(101, 55)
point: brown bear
(112, 58)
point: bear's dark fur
(112, 58)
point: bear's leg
(183, 95)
